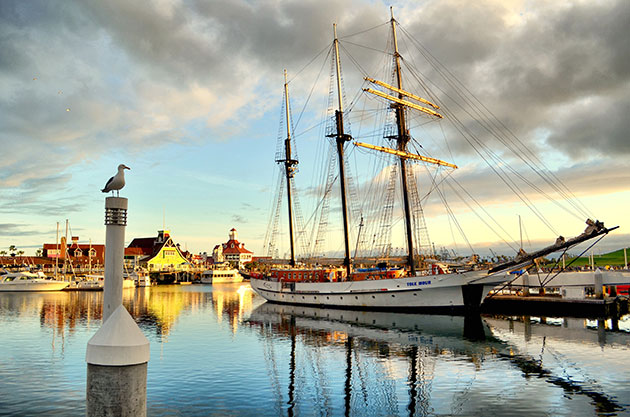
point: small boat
(29, 281)
(140, 278)
(88, 283)
(221, 276)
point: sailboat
(434, 289)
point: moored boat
(29, 281)
(440, 286)
(221, 276)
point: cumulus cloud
(84, 79)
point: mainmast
(403, 139)
(289, 167)
(342, 138)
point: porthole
(393, 295)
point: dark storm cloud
(79, 75)
(543, 71)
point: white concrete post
(599, 283)
(625, 258)
(525, 278)
(117, 355)
(115, 222)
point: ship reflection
(390, 360)
(378, 349)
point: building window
(93, 253)
(78, 253)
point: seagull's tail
(104, 190)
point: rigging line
(498, 136)
(327, 47)
(303, 132)
(365, 30)
(452, 214)
(495, 156)
(479, 216)
(493, 120)
(369, 48)
(486, 212)
(459, 125)
(353, 60)
(313, 88)
(574, 259)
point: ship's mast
(289, 167)
(342, 138)
(403, 139)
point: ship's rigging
(369, 222)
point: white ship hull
(431, 292)
(36, 284)
(221, 276)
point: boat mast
(403, 139)
(289, 167)
(342, 138)
(58, 251)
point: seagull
(117, 181)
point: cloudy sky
(188, 94)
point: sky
(188, 94)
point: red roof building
(232, 251)
(77, 253)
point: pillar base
(119, 342)
(116, 390)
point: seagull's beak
(126, 167)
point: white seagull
(116, 182)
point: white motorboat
(88, 283)
(221, 276)
(29, 281)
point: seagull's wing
(106, 189)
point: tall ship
(422, 283)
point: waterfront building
(157, 253)
(75, 253)
(232, 251)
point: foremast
(290, 166)
(341, 139)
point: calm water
(223, 351)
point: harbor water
(223, 351)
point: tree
(12, 250)
(39, 252)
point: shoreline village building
(75, 253)
(232, 251)
(156, 253)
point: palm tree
(12, 250)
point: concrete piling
(599, 283)
(118, 353)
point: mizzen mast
(341, 139)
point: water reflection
(388, 356)
(154, 308)
(382, 348)
(309, 361)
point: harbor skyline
(188, 96)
